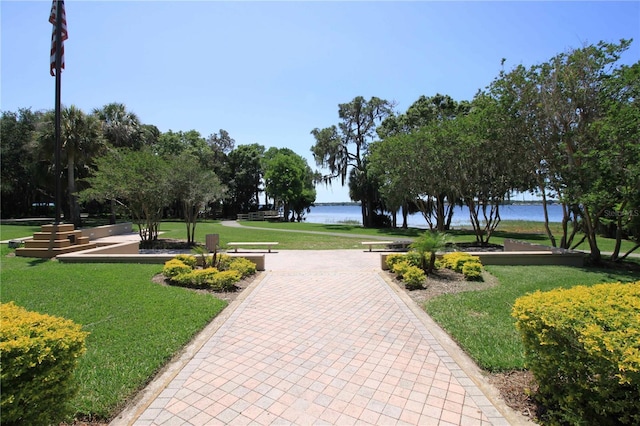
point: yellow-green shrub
(175, 267)
(242, 265)
(392, 259)
(38, 354)
(412, 258)
(472, 271)
(225, 280)
(413, 278)
(202, 278)
(456, 260)
(400, 268)
(583, 347)
(187, 259)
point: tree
(617, 187)
(18, 163)
(121, 128)
(342, 147)
(195, 187)
(243, 177)
(555, 107)
(139, 181)
(81, 140)
(289, 180)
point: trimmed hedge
(38, 354)
(583, 346)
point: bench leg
(235, 250)
(269, 248)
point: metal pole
(57, 108)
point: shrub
(413, 278)
(225, 280)
(400, 268)
(38, 354)
(187, 259)
(224, 261)
(583, 346)
(242, 265)
(203, 277)
(394, 258)
(414, 258)
(216, 279)
(472, 271)
(456, 260)
(175, 267)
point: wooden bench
(235, 245)
(388, 244)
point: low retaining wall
(107, 230)
(129, 253)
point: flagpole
(58, 42)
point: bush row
(182, 270)
(38, 354)
(583, 347)
(407, 266)
(464, 263)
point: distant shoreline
(508, 203)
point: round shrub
(393, 258)
(175, 267)
(400, 268)
(242, 265)
(38, 354)
(224, 280)
(413, 278)
(414, 258)
(583, 346)
(202, 278)
(472, 271)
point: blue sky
(270, 72)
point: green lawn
(135, 325)
(480, 321)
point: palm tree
(121, 128)
(80, 141)
(430, 242)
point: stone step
(47, 243)
(62, 227)
(46, 253)
(57, 236)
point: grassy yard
(135, 325)
(480, 321)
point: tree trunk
(546, 214)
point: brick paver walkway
(322, 339)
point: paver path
(322, 339)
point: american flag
(52, 19)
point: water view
(352, 213)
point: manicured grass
(308, 236)
(11, 231)
(135, 325)
(480, 321)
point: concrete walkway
(320, 338)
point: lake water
(530, 212)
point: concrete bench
(235, 245)
(376, 243)
(388, 244)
